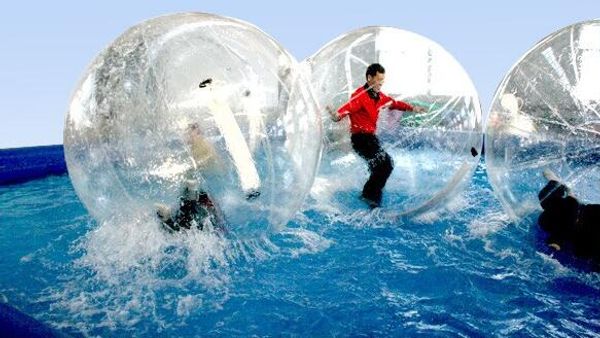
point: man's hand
(419, 109)
(554, 246)
(332, 113)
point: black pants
(379, 162)
(566, 220)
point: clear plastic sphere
(193, 97)
(546, 115)
(433, 152)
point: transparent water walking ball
(433, 152)
(546, 115)
(193, 98)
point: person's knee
(387, 165)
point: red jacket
(364, 110)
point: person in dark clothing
(363, 111)
(196, 210)
(568, 221)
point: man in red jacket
(363, 110)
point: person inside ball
(567, 221)
(196, 209)
(363, 110)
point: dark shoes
(372, 203)
(253, 194)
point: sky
(46, 46)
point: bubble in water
(193, 98)
(546, 115)
(433, 152)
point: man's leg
(379, 162)
(382, 167)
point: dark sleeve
(552, 195)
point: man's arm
(347, 108)
(401, 105)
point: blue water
(465, 270)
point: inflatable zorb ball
(434, 152)
(193, 99)
(546, 115)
